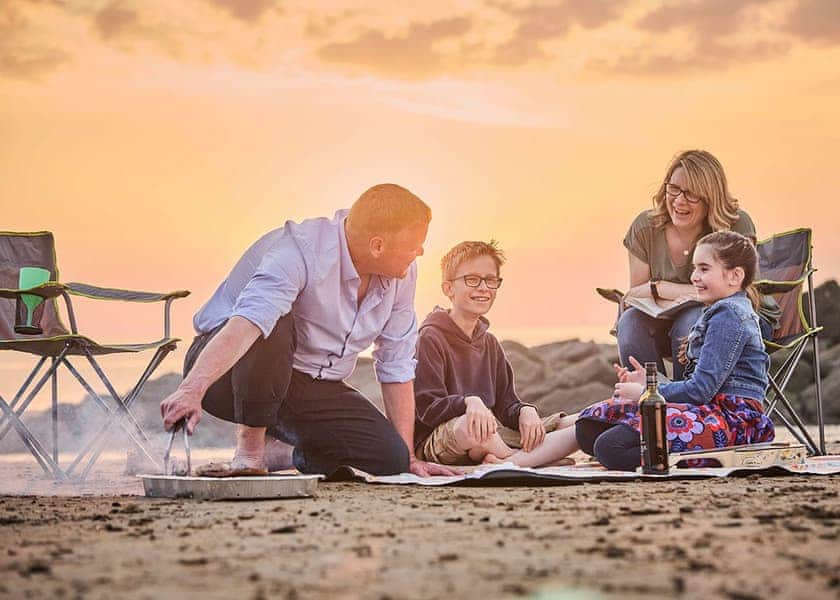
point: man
(283, 331)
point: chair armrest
(768, 288)
(50, 289)
(99, 293)
(613, 295)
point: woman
(692, 201)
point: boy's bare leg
(476, 450)
(494, 446)
(558, 444)
(250, 448)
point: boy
(464, 383)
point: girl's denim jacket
(726, 355)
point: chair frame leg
(54, 398)
(812, 446)
(812, 308)
(109, 412)
(97, 444)
(18, 411)
(40, 453)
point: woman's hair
(733, 250)
(706, 179)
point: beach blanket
(508, 474)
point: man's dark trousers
(329, 423)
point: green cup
(29, 277)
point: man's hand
(422, 468)
(531, 429)
(181, 404)
(481, 423)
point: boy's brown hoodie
(451, 366)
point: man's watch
(653, 290)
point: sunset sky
(158, 139)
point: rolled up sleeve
(273, 288)
(393, 352)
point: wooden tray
(751, 456)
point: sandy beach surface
(739, 538)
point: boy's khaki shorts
(442, 448)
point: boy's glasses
(493, 283)
(674, 192)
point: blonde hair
(386, 209)
(467, 251)
(706, 179)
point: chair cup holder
(26, 323)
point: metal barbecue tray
(230, 488)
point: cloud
(20, 57)
(707, 18)
(116, 20)
(715, 35)
(410, 55)
(536, 23)
(244, 10)
(707, 56)
(120, 24)
(815, 21)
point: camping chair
(786, 273)
(784, 269)
(30, 323)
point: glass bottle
(654, 429)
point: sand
(738, 538)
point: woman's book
(664, 309)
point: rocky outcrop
(561, 376)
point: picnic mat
(508, 474)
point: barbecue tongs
(182, 424)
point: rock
(563, 353)
(571, 400)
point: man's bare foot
(278, 455)
(250, 448)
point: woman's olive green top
(648, 244)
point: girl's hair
(732, 250)
(706, 179)
(735, 250)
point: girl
(719, 403)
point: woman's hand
(481, 423)
(687, 297)
(531, 429)
(639, 291)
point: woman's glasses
(674, 192)
(493, 283)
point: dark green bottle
(654, 429)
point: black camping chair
(786, 274)
(30, 323)
(786, 270)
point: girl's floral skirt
(725, 421)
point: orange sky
(158, 139)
